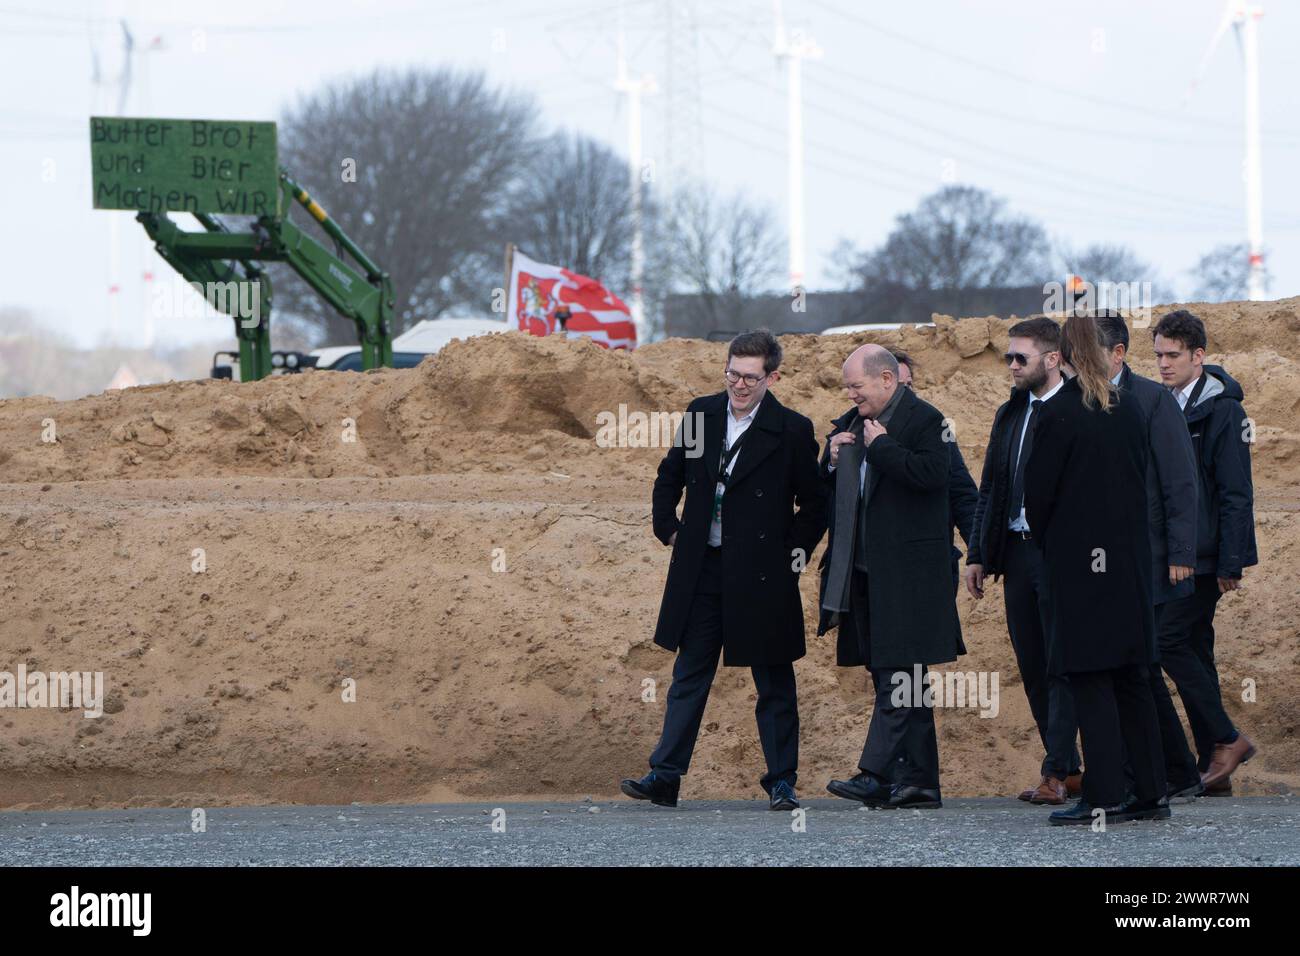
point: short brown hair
(759, 343)
(1183, 326)
(1044, 331)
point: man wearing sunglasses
(755, 510)
(1002, 545)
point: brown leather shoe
(1049, 791)
(1225, 759)
(1074, 784)
(1221, 789)
(1027, 793)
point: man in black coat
(1171, 514)
(1225, 540)
(738, 550)
(963, 496)
(1002, 544)
(1085, 495)
(885, 574)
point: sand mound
(454, 539)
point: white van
(410, 348)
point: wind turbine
(633, 89)
(1244, 17)
(793, 49)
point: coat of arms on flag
(538, 291)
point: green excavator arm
(225, 265)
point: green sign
(161, 165)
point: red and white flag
(538, 290)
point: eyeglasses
(750, 380)
(1020, 358)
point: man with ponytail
(1171, 508)
(1085, 498)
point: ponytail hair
(1081, 347)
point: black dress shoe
(1185, 792)
(657, 790)
(1134, 809)
(863, 788)
(914, 798)
(1081, 813)
(782, 797)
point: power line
(1064, 177)
(1073, 129)
(910, 189)
(1057, 178)
(1072, 176)
(1036, 82)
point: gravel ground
(981, 832)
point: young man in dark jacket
(1225, 540)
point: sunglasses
(1020, 358)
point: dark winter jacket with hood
(1221, 439)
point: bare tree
(1223, 273)
(438, 157)
(1114, 264)
(724, 249)
(576, 210)
(958, 238)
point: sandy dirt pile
(350, 524)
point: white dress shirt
(1183, 394)
(1020, 522)
(735, 428)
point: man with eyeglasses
(1002, 545)
(755, 510)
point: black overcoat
(1086, 502)
(1171, 484)
(912, 610)
(766, 541)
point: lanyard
(728, 455)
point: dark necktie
(1018, 480)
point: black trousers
(1185, 633)
(1024, 586)
(777, 710)
(1180, 765)
(901, 747)
(1117, 718)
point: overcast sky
(1076, 113)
